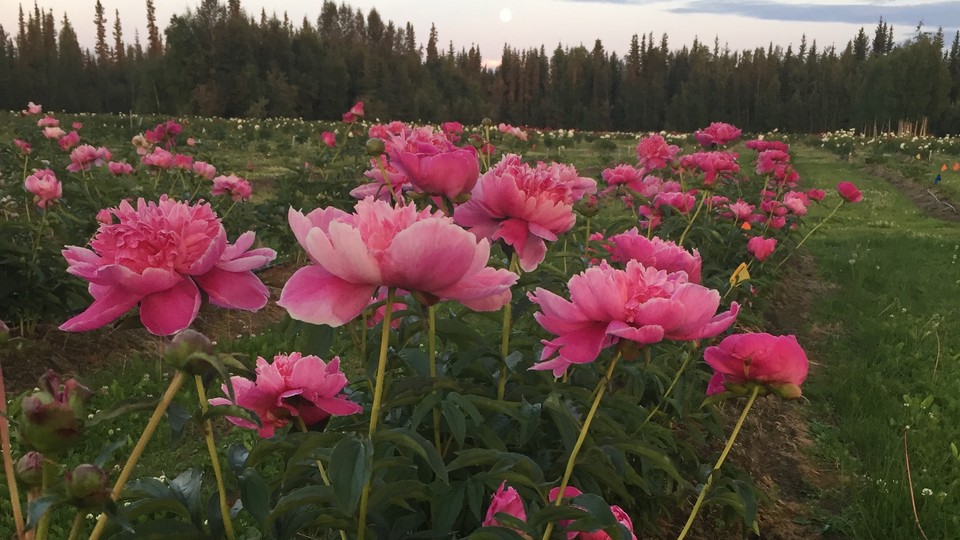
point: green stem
(571, 461)
(215, 460)
(586, 238)
(223, 217)
(26, 159)
(386, 177)
(375, 407)
(8, 462)
(43, 526)
(178, 379)
(703, 199)
(323, 471)
(432, 351)
(716, 467)
(505, 336)
(673, 383)
(804, 239)
(77, 526)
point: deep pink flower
(506, 500)
(44, 186)
(761, 248)
(849, 192)
(741, 210)
(816, 194)
(292, 386)
(682, 202)
(654, 252)
(204, 170)
(623, 175)
(433, 164)
(105, 216)
(769, 160)
(23, 146)
(237, 188)
(639, 304)
(33, 108)
(797, 202)
(654, 153)
(183, 162)
(718, 133)
(117, 168)
(355, 254)
(53, 132)
(83, 157)
(69, 140)
(386, 131)
(48, 121)
(452, 130)
(777, 362)
(357, 109)
(156, 256)
(761, 145)
(329, 138)
(348, 117)
(159, 158)
(621, 516)
(712, 164)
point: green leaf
(178, 417)
(237, 457)
(186, 487)
(456, 420)
(414, 441)
(122, 407)
(106, 453)
(350, 467)
(299, 498)
(39, 506)
(255, 495)
(218, 411)
(597, 507)
(447, 504)
(495, 533)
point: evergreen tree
(102, 49)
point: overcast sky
(529, 23)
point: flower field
(388, 330)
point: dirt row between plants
(930, 199)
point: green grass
(886, 348)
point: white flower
(926, 492)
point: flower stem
(804, 239)
(43, 526)
(432, 351)
(215, 460)
(77, 526)
(673, 383)
(571, 461)
(703, 199)
(323, 471)
(8, 462)
(716, 467)
(178, 379)
(375, 407)
(505, 336)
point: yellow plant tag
(740, 274)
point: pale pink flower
(238, 188)
(507, 129)
(69, 140)
(45, 187)
(141, 144)
(191, 141)
(797, 202)
(329, 138)
(776, 362)
(77, 125)
(378, 189)
(53, 132)
(762, 248)
(654, 252)
(156, 256)
(638, 304)
(48, 121)
(741, 210)
(117, 168)
(105, 216)
(85, 156)
(762, 145)
(682, 202)
(204, 170)
(712, 164)
(353, 255)
(654, 153)
(433, 164)
(159, 158)
(506, 500)
(292, 386)
(849, 192)
(33, 108)
(24, 147)
(717, 133)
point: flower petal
(236, 290)
(316, 296)
(108, 305)
(167, 312)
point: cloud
(933, 14)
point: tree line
(218, 60)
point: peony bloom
(433, 164)
(382, 172)
(45, 187)
(452, 130)
(238, 188)
(83, 157)
(204, 170)
(292, 386)
(712, 164)
(357, 109)
(776, 362)
(117, 168)
(849, 192)
(33, 108)
(53, 132)
(769, 160)
(48, 121)
(816, 194)
(682, 202)
(159, 158)
(717, 133)
(797, 202)
(761, 145)
(621, 517)
(329, 138)
(623, 175)
(654, 252)
(638, 304)
(762, 248)
(105, 216)
(23, 146)
(377, 246)
(183, 162)
(69, 140)
(157, 256)
(654, 153)
(741, 210)
(506, 500)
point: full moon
(505, 15)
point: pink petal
(430, 255)
(82, 262)
(343, 253)
(152, 280)
(210, 257)
(236, 290)
(109, 304)
(487, 290)
(168, 312)
(314, 295)
(251, 260)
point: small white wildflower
(926, 492)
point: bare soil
(929, 199)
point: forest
(219, 60)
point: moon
(506, 15)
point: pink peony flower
(292, 386)
(77, 125)
(33, 108)
(117, 168)
(83, 157)
(682, 202)
(378, 189)
(452, 130)
(638, 304)
(618, 513)
(48, 121)
(378, 245)
(522, 206)
(761, 145)
(183, 162)
(761, 248)
(654, 153)
(776, 362)
(105, 216)
(717, 133)
(157, 256)
(712, 164)
(655, 252)
(159, 158)
(191, 141)
(69, 140)
(769, 160)
(797, 202)
(433, 164)
(741, 210)
(329, 138)
(204, 170)
(45, 187)
(386, 131)
(816, 194)
(23, 146)
(238, 188)
(849, 192)
(506, 500)
(357, 109)
(53, 132)
(623, 175)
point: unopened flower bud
(29, 470)
(186, 351)
(88, 486)
(52, 418)
(486, 122)
(375, 146)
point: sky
(739, 24)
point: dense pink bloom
(639, 304)
(204, 170)
(618, 513)
(183, 162)
(53, 132)
(381, 172)
(77, 125)
(718, 133)
(523, 206)
(653, 153)
(433, 164)
(83, 157)
(761, 248)
(163, 133)
(159, 158)
(452, 130)
(386, 131)
(44, 186)
(292, 386)
(623, 175)
(48, 121)
(329, 138)
(741, 210)
(33, 108)
(682, 202)
(506, 500)
(238, 188)
(769, 160)
(849, 192)
(105, 216)
(654, 252)
(379, 245)
(797, 202)
(117, 168)
(712, 164)
(357, 109)
(777, 362)
(816, 194)
(69, 140)
(23, 146)
(157, 256)
(507, 129)
(761, 145)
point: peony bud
(486, 122)
(29, 469)
(186, 350)
(375, 147)
(52, 419)
(88, 486)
